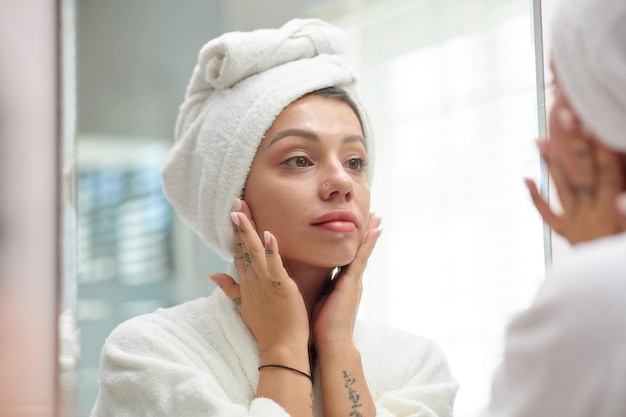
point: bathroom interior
(456, 93)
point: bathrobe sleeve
(565, 355)
(153, 367)
(408, 375)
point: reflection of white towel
(242, 81)
(589, 55)
(200, 359)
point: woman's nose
(336, 182)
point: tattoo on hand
(277, 283)
(246, 257)
(352, 395)
(237, 301)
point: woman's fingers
(254, 251)
(358, 264)
(263, 258)
(566, 193)
(576, 160)
(275, 269)
(550, 217)
(588, 178)
(228, 285)
(610, 180)
(239, 245)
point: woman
(271, 166)
(565, 354)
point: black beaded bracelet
(288, 368)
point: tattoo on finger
(581, 153)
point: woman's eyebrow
(305, 134)
(354, 138)
(311, 136)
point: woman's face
(308, 183)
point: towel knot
(237, 55)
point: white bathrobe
(200, 359)
(566, 354)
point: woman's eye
(298, 162)
(357, 164)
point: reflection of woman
(565, 355)
(272, 127)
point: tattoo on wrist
(353, 396)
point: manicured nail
(213, 280)
(267, 238)
(237, 204)
(234, 217)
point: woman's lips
(339, 221)
(337, 226)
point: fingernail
(210, 277)
(621, 204)
(379, 220)
(237, 204)
(234, 217)
(266, 237)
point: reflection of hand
(268, 299)
(334, 314)
(588, 179)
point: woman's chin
(332, 260)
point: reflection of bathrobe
(566, 355)
(199, 359)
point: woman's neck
(311, 281)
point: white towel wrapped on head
(242, 81)
(589, 56)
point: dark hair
(336, 93)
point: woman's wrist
(293, 356)
(335, 348)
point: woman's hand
(344, 388)
(335, 313)
(268, 299)
(272, 307)
(589, 179)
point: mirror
(451, 87)
(68, 342)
